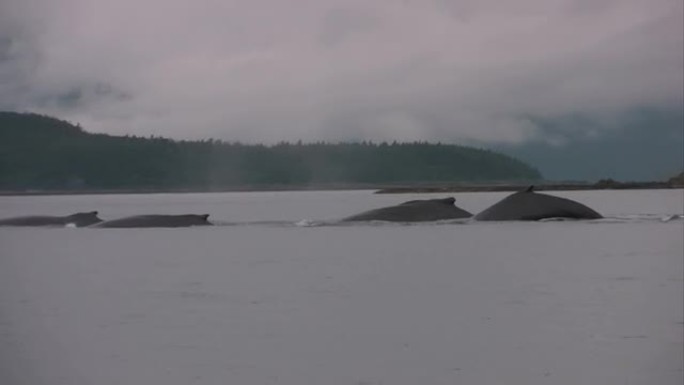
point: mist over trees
(641, 144)
(40, 152)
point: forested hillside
(39, 152)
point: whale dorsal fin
(529, 189)
(448, 201)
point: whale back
(83, 219)
(414, 211)
(157, 220)
(450, 201)
(528, 205)
(33, 220)
(77, 219)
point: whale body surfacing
(78, 220)
(414, 211)
(185, 220)
(528, 205)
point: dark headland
(43, 155)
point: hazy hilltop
(40, 152)
(645, 144)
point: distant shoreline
(537, 186)
(184, 190)
(379, 189)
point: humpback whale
(414, 211)
(528, 205)
(185, 220)
(78, 219)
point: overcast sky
(271, 70)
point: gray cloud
(270, 70)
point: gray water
(282, 294)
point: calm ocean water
(281, 294)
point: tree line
(40, 152)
